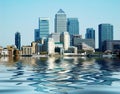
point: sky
(22, 16)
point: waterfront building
(5, 52)
(65, 39)
(105, 33)
(43, 27)
(51, 46)
(111, 45)
(79, 40)
(86, 47)
(33, 45)
(90, 33)
(60, 22)
(72, 28)
(26, 50)
(11, 49)
(18, 40)
(1, 48)
(36, 35)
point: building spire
(60, 11)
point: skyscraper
(72, 28)
(60, 22)
(90, 33)
(18, 40)
(36, 34)
(105, 33)
(44, 27)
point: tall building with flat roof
(60, 22)
(72, 28)
(44, 27)
(105, 33)
(18, 40)
(90, 33)
(36, 35)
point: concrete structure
(58, 45)
(33, 45)
(55, 36)
(44, 27)
(18, 40)
(111, 45)
(86, 47)
(105, 33)
(65, 39)
(5, 52)
(72, 49)
(89, 42)
(26, 50)
(1, 48)
(11, 49)
(72, 28)
(51, 46)
(36, 35)
(60, 22)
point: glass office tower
(18, 40)
(44, 27)
(60, 22)
(105, 33)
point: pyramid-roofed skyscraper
(60, 22)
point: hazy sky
(22, 16)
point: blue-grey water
(59, 75)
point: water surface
(61, 75)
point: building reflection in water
(52, 74)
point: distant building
(5, 52)
(18, 40)
(51, 46)
(65, 39)
(36, 35)
(86, 47)
(33, 45)
(72, 28)
(1, 48)
(111, 45)
(44, 27)
(60, 22)
(79, 40)
(26, 50)
(11, 49)
(55, 36)
(90, 33)
(105, 33)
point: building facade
(60, 22)
(112, 45)
(72, 28)
(90, 33)
(55, 36)
(105, 33)
(89, 42)
(43, 27)
(36, 35)
(65, 39)
(51, 46)
(26, 50)
(18, 40)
